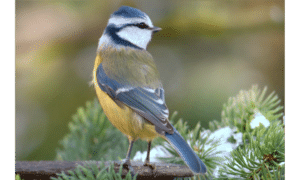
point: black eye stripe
(142, 25)
(139, 25)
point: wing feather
(147, 102)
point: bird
(129, 88)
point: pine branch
(248, 142)
(92, 137)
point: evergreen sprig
(240, 110)
(91, 171)
(231, 148)
(93, 137)
(262, 156)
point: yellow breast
(121, 116)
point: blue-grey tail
(186, 152)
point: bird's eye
(142, 25)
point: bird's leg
(126, 161)
(147, 161)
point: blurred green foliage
(207, 51)
(91, 136)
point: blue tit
(128, 86)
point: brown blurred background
(208, 51)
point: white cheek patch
(137, 36)
(133, 34)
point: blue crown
(129, 12)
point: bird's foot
(147, 163)
(127, 165)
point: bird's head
(128, 27)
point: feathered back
(130, 66)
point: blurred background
(207, 52)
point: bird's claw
(147, 163)
(127, 165)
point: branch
(46, 169)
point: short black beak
(156, 29)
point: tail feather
(186, 152)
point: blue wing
(147, 102)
